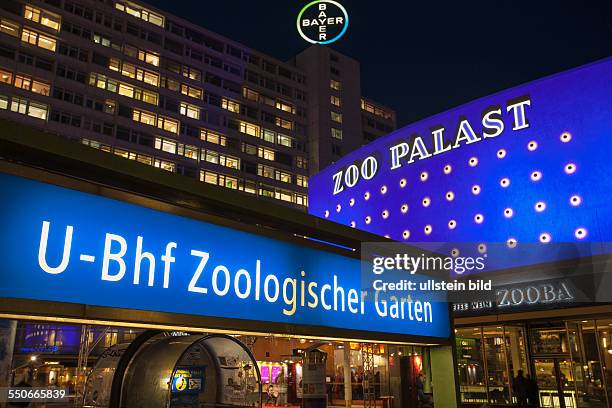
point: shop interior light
(501, 153)
(427, 229)
(403, 183)
(478, 218)
(404, 208)
(385, 214)
(450, 196)
(455, 252)
(536, 176)
(426, 201)
(351, 202)
(338, 208)
(511, 242)
(505, 182)
(406, 234)
(368, 219)
(424, 176)
(473, 162)
(383, 190)
(366, 195)
(475, 189)
(353, 224)
(326, 213)
(448, 169)
(452, 224)
(482, 248)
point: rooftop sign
(322, 22)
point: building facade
(518, 179)
(148, 86)
(220, 300)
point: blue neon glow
(101, 227)
(549, 181)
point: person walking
(520, 389)
(533, 393)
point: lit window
(335, 100)
(284, 106)
(230, 105)
(302, 181)
(145, 117)
(283, 176)
(336, 133)
(4, 102)
(285, 124)
(165, 165)
(126, 90)
(250, 94)
(40, 40)
(166, 145)
(336, 117)
(140, 12)
(189, 151)
(30, 108)
(9, 27)
(43, 17)
(266, 154)
(335, 85)
(269, 136)
(190, 111)
(265, 171)
(29, 84)
(191, 73)
(23, 82)
(148, 57)
(212, 137)
(249, 129)
(191, 91)
(6, 76)
(284, 140)
(168, 124)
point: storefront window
(497, 373)
(471, 365)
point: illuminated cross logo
(322, 21)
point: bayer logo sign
(322, 21)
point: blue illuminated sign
(527, 165)
(68, 246)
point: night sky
(424, 57)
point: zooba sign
(322, 22)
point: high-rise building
(140, 83)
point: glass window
(284, 140)
(148, 57)
(212, 137)
(336, 117)
(285, 124)
(165, 165)
(166, 145)
(249, 129)
(250, 94)
(283, 176)
(269, 136)
(19, 105)
(230, 105)
(191, 91)
(266, 154)
(190, 111)
(336, 133)
(23, 82)
(43, 17)
(335, 100)
(265, 171)
(9, 27)
(169, 125)
(302, 181)
(40, 87)
(470, 364)
(285, 106)
(335, 85)
(3, 102)
(126, 90)
(145, 117)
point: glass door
(555, 380)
